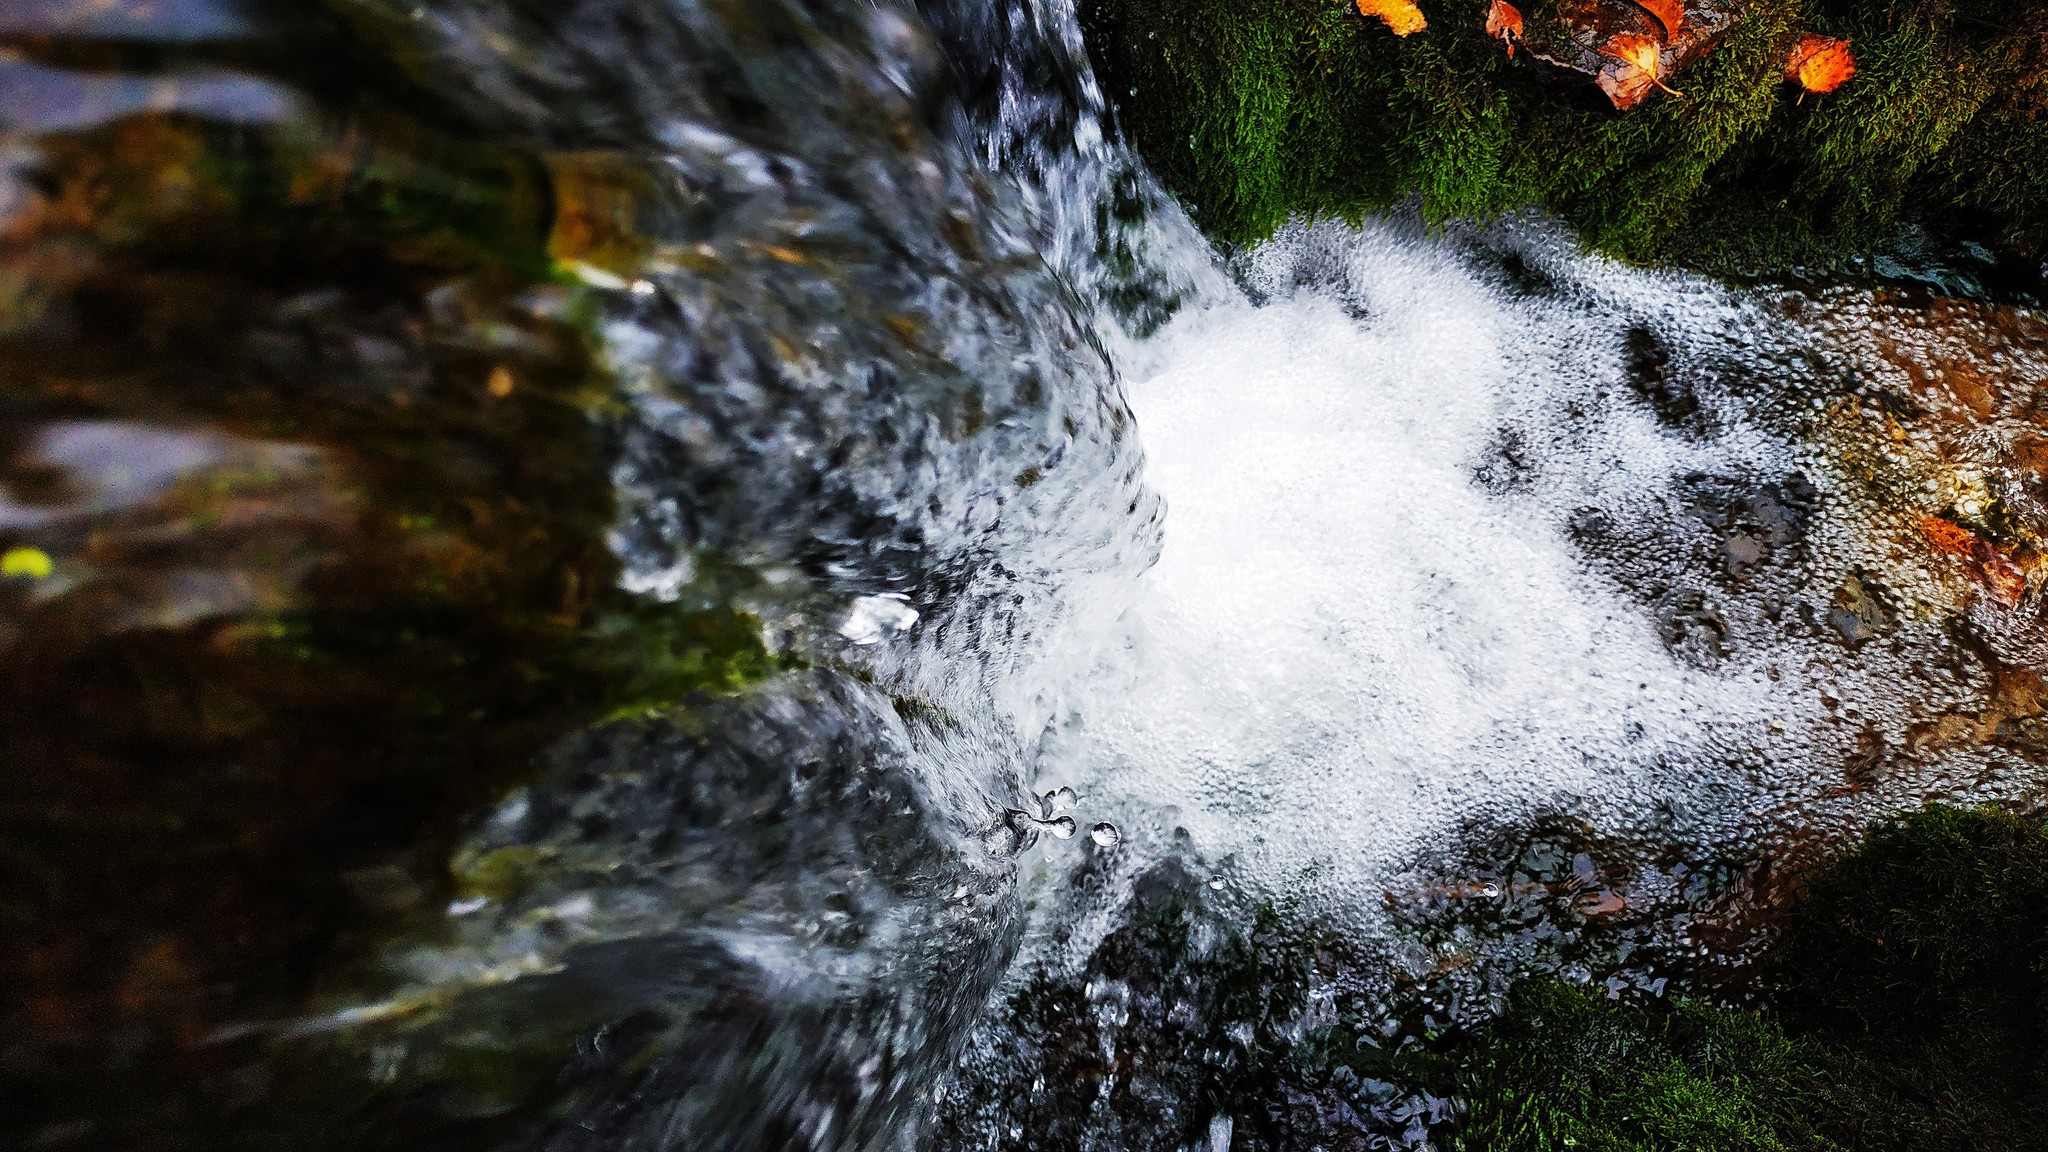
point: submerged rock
(1897, 1007)
(313, 584)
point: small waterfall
(1480, 606)
(864, 395)
(1467, 530)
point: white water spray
(1371, 625)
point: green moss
(1566, 1068)
(1254, 111)
(1908, 1015)
(1928, 948)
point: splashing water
(1390, 602)
(1402, 544)
(1349, 645)
(1464, 531)
(1470, 534)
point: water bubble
(1105, 834)
(1061, 800)
(1062, 828)
(1216, 883)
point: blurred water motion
(394, 393)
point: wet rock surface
(1609, 41)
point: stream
(1465, 604)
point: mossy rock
(1252, 112)
(1907, 1014)
(1927, 948)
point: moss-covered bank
(1253, 110)
(1907, 1015)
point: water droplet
(512, 813)
(577, 907)
(1105, 834)
(1217, 883)
(1062, 828)
(1061, 800)
(1490, 891)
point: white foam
(1349, 645)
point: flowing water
(1475, 603)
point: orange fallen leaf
(1504, 23)
(1641, 53)
(1402, 16)
(1820, 63)
(1669, 13)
